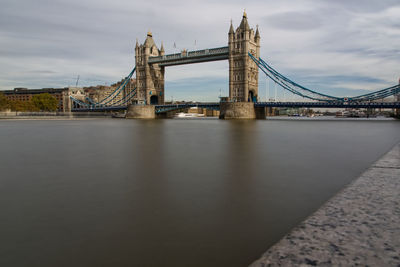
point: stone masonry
(149, 77)
(243, 71)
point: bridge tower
(243, 71)
(149, 77)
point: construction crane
(77, 80)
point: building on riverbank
(62, 95)
(25, 94)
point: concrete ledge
(358, 226)
(237, 110)
(141, 112)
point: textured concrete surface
(358, 226)
(141, 112)
(237, 110)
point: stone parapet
(358, 226)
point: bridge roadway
(215, 105)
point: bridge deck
(205, 55)
(215, 105)
(332, 104)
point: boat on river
(188, 115)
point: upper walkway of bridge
(186, 57)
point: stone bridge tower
(243, 71)
(149, 77)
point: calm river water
(203, 192)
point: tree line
(40, 102)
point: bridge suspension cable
(393, 90)
(122, 102)
(115, 93)
(118, 89)
(126, 98)
(289, 85)
(302, 91)
(111, 96)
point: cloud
(294, 21)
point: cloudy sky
(341, 47)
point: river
(200, 192)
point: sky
(341, 47)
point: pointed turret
(257, 36)
(162, 51)
(231, 31)
(244, 25)
(149, 40)
(137, 43)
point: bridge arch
(252, 96)
(153, 100)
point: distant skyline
(341, 48)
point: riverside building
(25, 94)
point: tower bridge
(243, 71)
(243, 55)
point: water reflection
(169, 192)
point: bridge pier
(165, 115)
(240, 110)
(260, 113)
(141, 112)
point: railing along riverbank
(51, 115)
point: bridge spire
(162, 51)
(257, 36)
(231, 31)
(244, 25)
(149, 42)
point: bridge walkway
(189, 57)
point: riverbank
(330, 118)
(358, 226)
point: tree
(18, 105)
(4, 103)
(45, 102)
